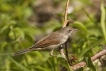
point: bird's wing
(49, 40)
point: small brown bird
(50, 42)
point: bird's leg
(51, 53)
(62, 52)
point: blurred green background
(24, 22)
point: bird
(50, 42)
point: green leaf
(3, 29)
(20, 31)
(88, 15)
(29, 37)
(103, 24)
(80, 26)
(64, 63)
(4, 54)
(3, 45)
(19, 65)
(52, 61)
(86, 49)
(11, 35)
(89, 63)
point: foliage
(16, 33)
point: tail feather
(21, 52)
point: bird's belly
(51, 47)
(55, 46)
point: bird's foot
(51, 54)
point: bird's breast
(64, 38)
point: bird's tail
(22, 52)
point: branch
(93, 58)
(66, 23)
(66, 10)
(65, 14)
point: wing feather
(46, 41)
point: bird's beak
(75, 29)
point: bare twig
(65, 14)
(93, 58)
(66, 10)
(66, 23)
(66, 49)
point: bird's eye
(69, 30)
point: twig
(66, 10)
(66, 23)
(93, 58)
(66, 49)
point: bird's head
(67, 30)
